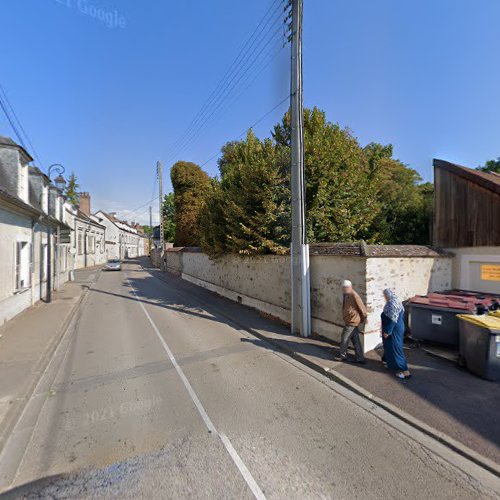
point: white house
(25, 226)
(89, 236)
(34, 213)
(123, 240)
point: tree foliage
(169, 217)
(404, 204)
(71, 191)
(491, 166)
(352, 193)
(341, 189)
(190, 184)
(246, 211)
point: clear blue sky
(108, 102)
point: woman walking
(393, 331)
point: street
(152, 394)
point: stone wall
(263, 282)
(407, 276)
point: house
(467, 223)
(53, 222)
(90, 236)
(123, 240)
(26, 228)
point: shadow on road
(440, 393)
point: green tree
(341, 189)
(491, 166)
(71, 191)
(190, 185)
(169, 217)
(247, 211)
(405, 204)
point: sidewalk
(441, 399)
(27, 343)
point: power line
(251, 126)
(144, 204)
(205, 122)
(232, 68)
(2, 104)
(16, 132)
(227, 92)
(230, 82)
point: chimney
(85, 203)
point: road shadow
(440, 393)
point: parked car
(113, 265)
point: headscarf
(393, 306)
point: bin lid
(486, 320)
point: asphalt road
(152, 395)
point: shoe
(361, 361)
(340, 359)
(400, 375)
(408, 376)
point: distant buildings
(33, 212)
(123, 240)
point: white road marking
(246, 474)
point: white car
(113, 265)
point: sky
(108, 97)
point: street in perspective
(249, 251)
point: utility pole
(162, 240)
(300, 284)
(151, 232)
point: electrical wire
(206, 121)
(233, 68)
(229, 83)
(5, 100)
(251, 126)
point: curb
(12, 416)
(441, 437)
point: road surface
(154, 395)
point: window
(80, 243)
(64, 259)
(23, 265)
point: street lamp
(60, 183)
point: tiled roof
(363, 250)
(125, 226)
(7, 141)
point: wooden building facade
(466, 207)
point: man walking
(354, 313)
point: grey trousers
(351, 333)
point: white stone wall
(327, 274)
(407, 276)
(263, 282)
(466, 268)
(13, 227)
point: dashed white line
(245, 473)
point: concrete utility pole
(150, 229)
(162, 239)
(300, 284)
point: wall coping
(355, 250)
